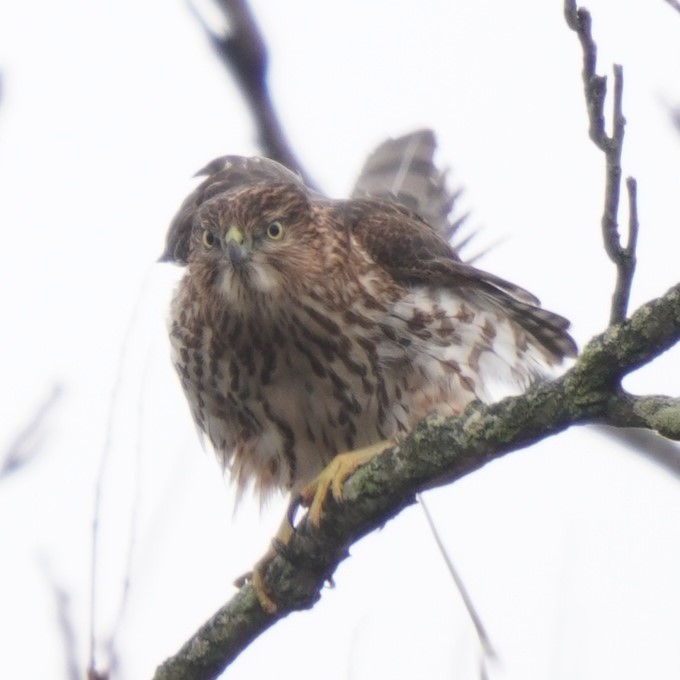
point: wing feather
(413, 253)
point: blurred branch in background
(28, 442)
(674, 112)
(674, 4)
(243, 51)
(62, 602)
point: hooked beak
(234, 246)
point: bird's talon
(333, 478)
(266, 602)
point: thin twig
(633, 220)
(487, 648)
(112, 648)
(595, 88)
(64, 622)
(93, 672)
(242, 49)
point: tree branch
(595, 88)
(438, 451)
(243, 51)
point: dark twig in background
(26, 444)
(65, 624)
(579, 20)
(242, 49)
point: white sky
(570, 550)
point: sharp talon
(255, 579)
(333, 478)
(268, 605)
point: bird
(311, 333)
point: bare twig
(64, 622)
(438, 451)
(595, 87)
(488, 651)
(111, 647)
(244, 52)
(27, 443)
(93, 671)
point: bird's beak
(235, 246)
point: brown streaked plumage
(305, 327)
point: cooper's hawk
(305, 327)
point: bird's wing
(403, 171)
(413, 253)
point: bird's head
(253, 242)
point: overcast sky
(570, 549)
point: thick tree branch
(595, 87)
(244, 52)
(438, 451)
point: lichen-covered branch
(595, 87)
(438, 451)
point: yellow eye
(275, 231)
(208, 239)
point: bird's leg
(313, 495)
(283, 534)
(333, 476)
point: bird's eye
(275, 231)
(208, 239)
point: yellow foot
(333, 478)
(263, 597)
(255, 576)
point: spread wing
(403, 171)
(224, 174)
(413, 253)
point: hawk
(306, 327)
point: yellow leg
(282, 537)
(333, 477)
